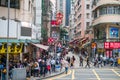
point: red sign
(56, 22)
(106, 45)
(50, 40)
(59, 15)
(53, 22)
(112, 45)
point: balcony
(106, 2)
(109, 18)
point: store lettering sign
(11, 49)
(111, 45)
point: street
(89, 74)
(93, 73)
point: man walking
(81, 61)
(87, 62)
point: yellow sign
(12, 48)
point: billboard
(114, 32)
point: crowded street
(93, 73)
(59, 39)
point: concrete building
(71, 22)
(38, 13)
(82, 17)
(24, 26)
(106, 25)
(47, 7)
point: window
(88, 15)
(13, 3)
(87, 23)
(25, 31)
(79, 26)
(79, 8)
(110, 10)
(79, 17)
(3, 2)
(88, 6)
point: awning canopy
(20, 40)
(41, 46)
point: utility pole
(7, 62)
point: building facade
(106, 26)
(47, 13)
(82, 17)
(71, 22)
(22, 29)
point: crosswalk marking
(96, 74)
(115, 72)
(73, 74)
(60, 76)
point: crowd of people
(41, 67)
(98, 61)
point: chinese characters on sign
(11, 48)
(112, 45)
(58, 21)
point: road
(89, 74)
(81, 73)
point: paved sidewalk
(47, 75)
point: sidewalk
(47, 75)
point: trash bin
(119, 60)
(57, 68)
(19, 74)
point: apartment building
(106, 26)
(71, 22)
(82, 17)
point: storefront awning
(41, 46)
(19, 41)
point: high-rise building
(71, 21)
(63, 6)
(82, 17)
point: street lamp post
(7, 62)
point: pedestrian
(53, 64)
(48, 65)
(100, 61)
(66, 65)
(87, 62)
(68, 59)
(81, 60)
(4, 71)
(36, 68)
(72, 61)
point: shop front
(14, 50)
(107, 34)
(112, 49)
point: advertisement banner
(114, 32)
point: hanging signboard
(112, 45)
